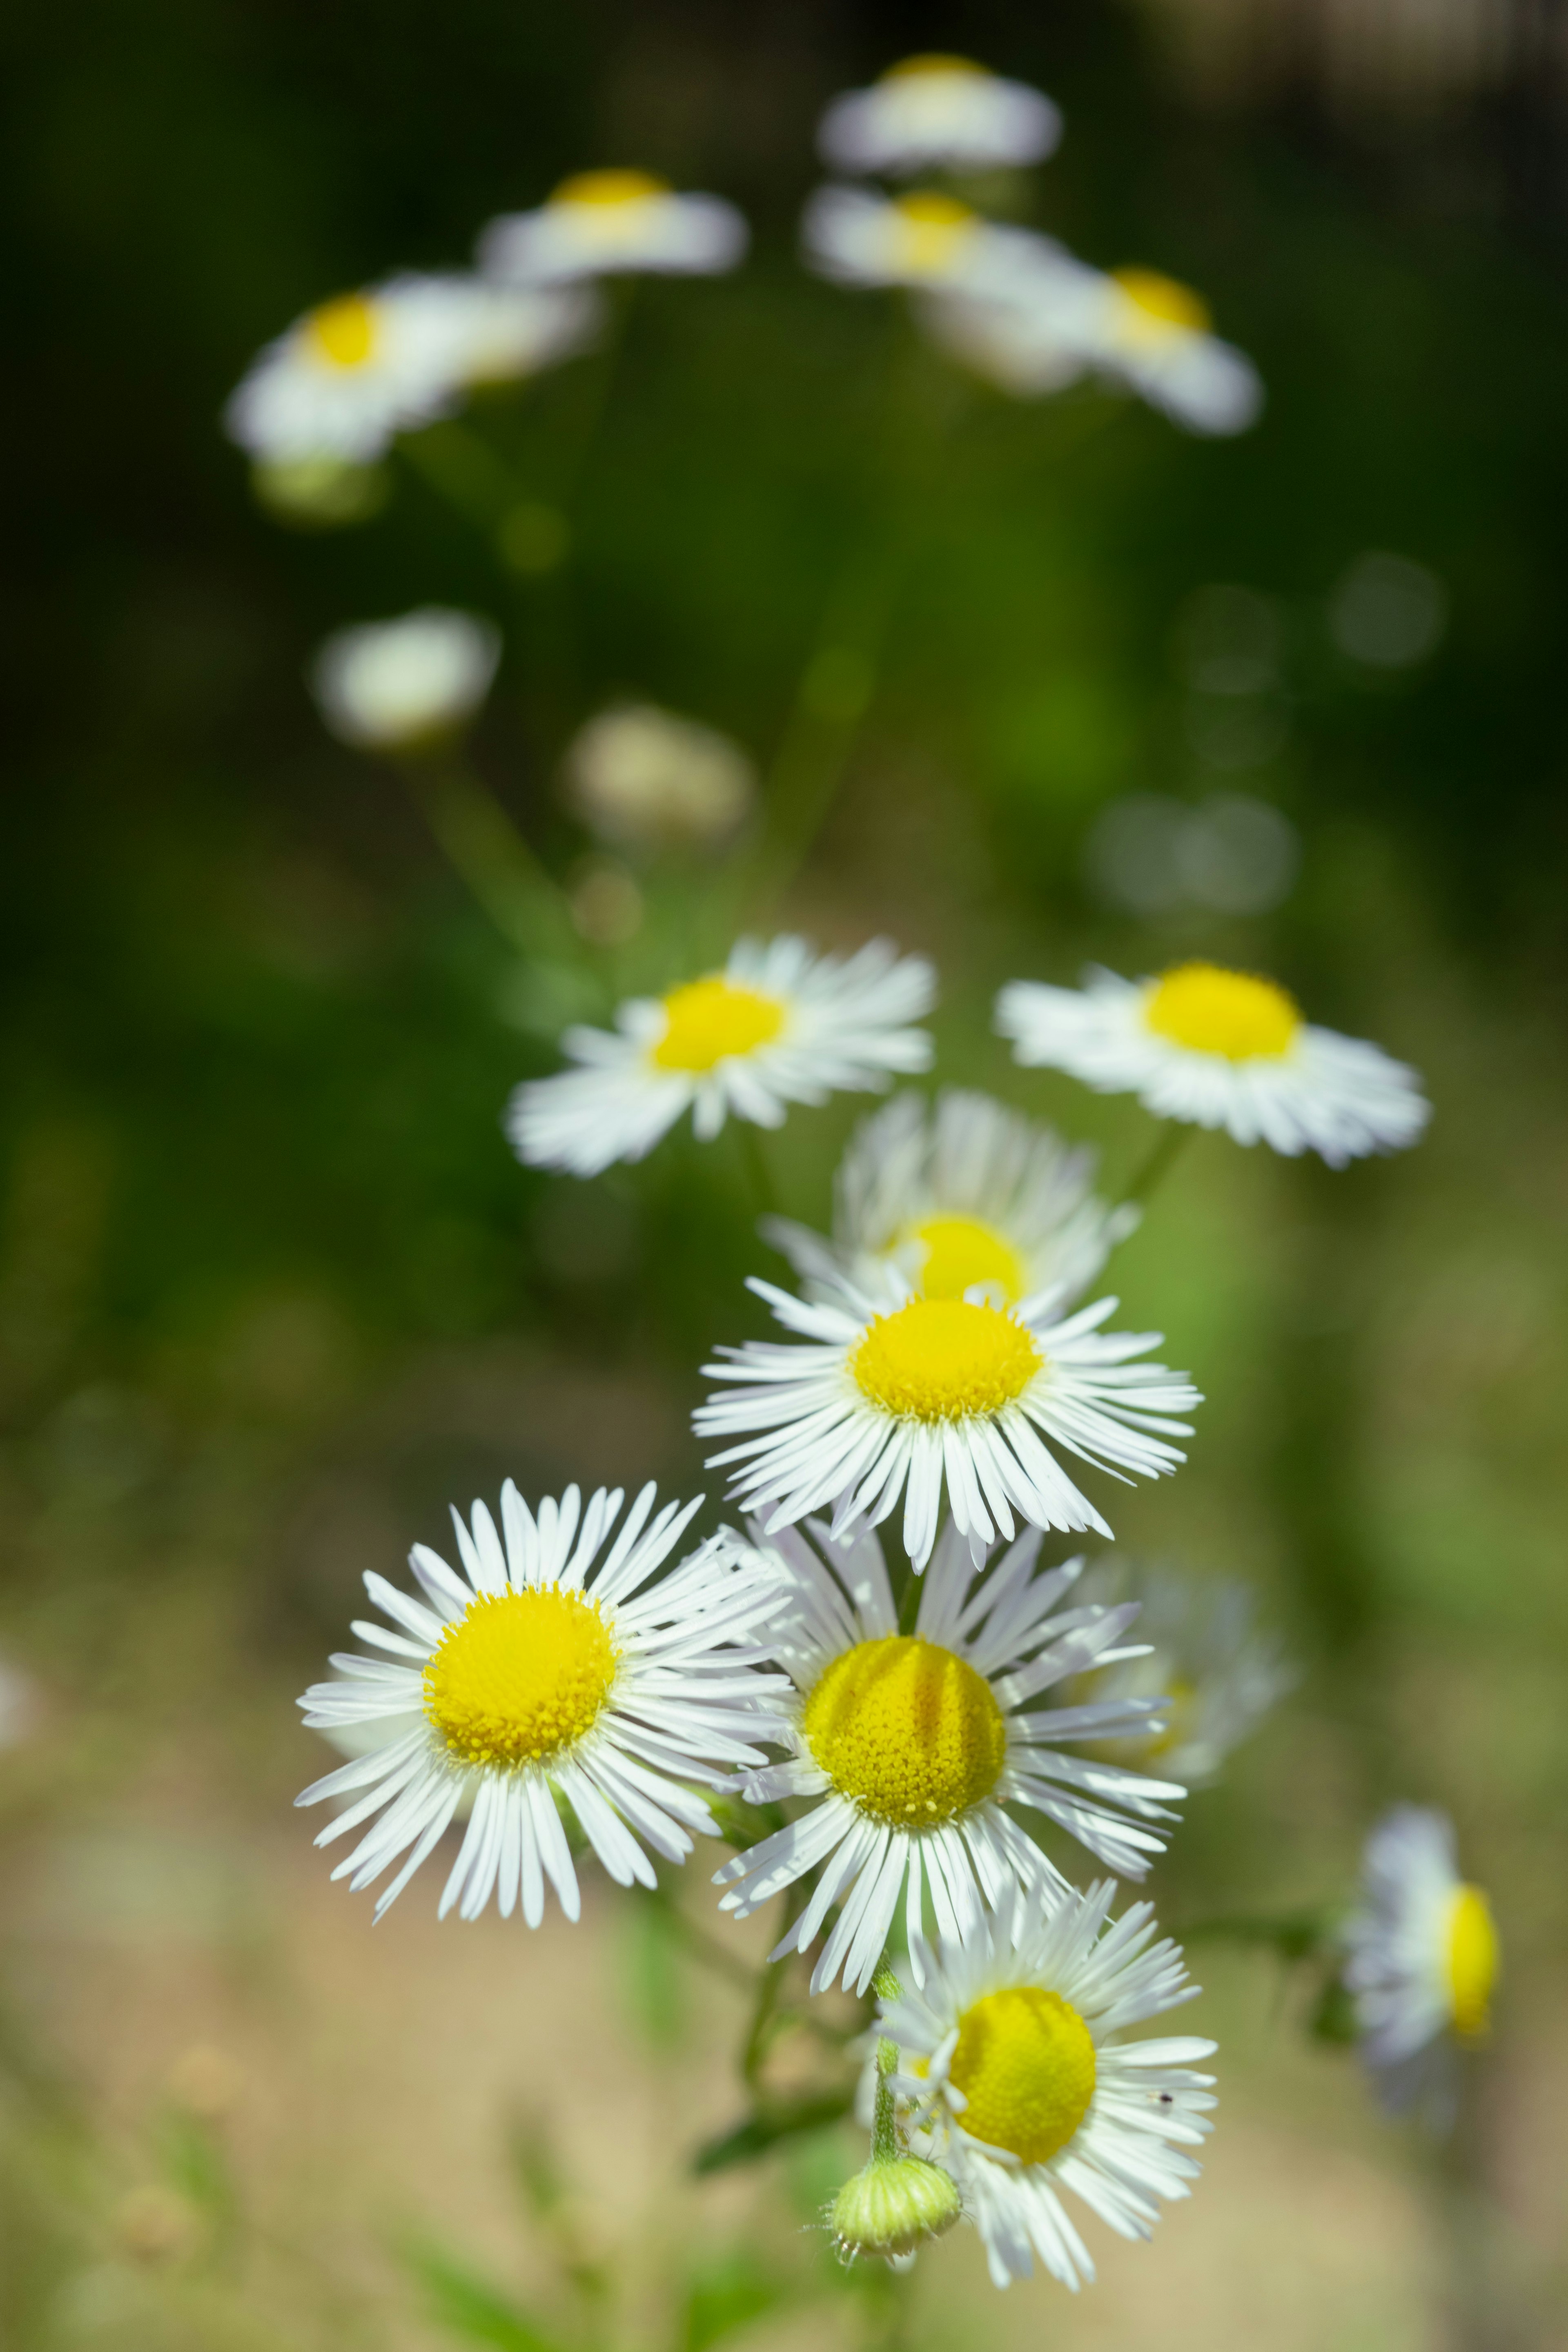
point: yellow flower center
(932, 231)
(1165, 304)
(934, 62)
(519, 1677)
(344, 331)
(1473, 1957)
(944, 1360)
(907, 1729)
(963, 1251)
(706, 1021)
(609, 188)
(1024, 2062)
(1216, 1012)
(1183, 1699)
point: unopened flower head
(958, 1196)
(1219, 1048)
(935, 110)
(1017, 2079)
(925, 239)
(779, 1024)
(21, 1707)
(541, 1674)
(891, 2207)
(1424, 1961)
(645, 779)
(602, 224)
(397, 684)
(916, 1746)
(360, 368)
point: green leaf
(767, 2126)
(469, 2306)
(726, 2296)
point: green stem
(758, 1176)
(770, 1984)
(1167, 1149)
(884, 2122)
(483, 846)
(460, 466)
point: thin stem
(461, 467)
(758, 1176)
(483, 846)
(884, 2124)
(703, 1946)
(1167, 1149)
(770, 1984)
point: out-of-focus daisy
(21, 1707)
(601, 224)
(961, 1196)
(917, 1743)
(535, 1677)
(646, 779)
(777, 1026)
(889, 1398)
(1217, 1673)
(1423, 1963)
(358, 370)
(924, 239)
(1019, 2082)
(389, 685)
(934, 110)
(1219, 1048)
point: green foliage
(469, 2306)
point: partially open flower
(389, 685)
(893, 2208)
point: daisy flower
(777, 1026)
(896, 1395)
(1219, 1048)
(916, 1745)
(599, 224)
(534, 1680)
(962, 1195)
(1218, 1673)
(937, 111)
(924, 239)
(1019, 2081)
(387, 685)
(353, 373)
(1424, 1960)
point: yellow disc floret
(944, 1359)
(960, 1252)
(1213, 1011)
(521, 1676)
(1025, 2062)
(345, 331)
(934, 62)
(609, 188)
(907, 1729)
(1164, 303)
(707, 1020)
(1472, 1958)
(932, 230)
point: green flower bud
(892, 2207)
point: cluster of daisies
(905, 1735)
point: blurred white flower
(1150, 852)
(599, 224)
(389, 684)
(357, 371)
(1388, 612)
(20, 1706)
(923, 239)
(1424, 1961)
(938, 110)
(1215, 1673)
(644, 778)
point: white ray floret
(916, 1747)
(601, 223)
(546, 1673)
(962, 1195)
(926, 239)
(1016, 2077)
(1219, 1048)
(878, 1399)
(387, 685)
(939, 110)
(1424, 1961)
(780, 1024)
(357, 371)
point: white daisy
(1019, 2082)
(1219, 1048)
(599, 224)
(934, 110)
(1424, 1960)
(917, 1743)
(1219, 1674)
(386, 685)
(777, 1026)
(890, 1398)
(962, 1195)
(924, 239)
(534, 1680)
(357, 371)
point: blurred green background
(273, 1290)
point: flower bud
(892, 2207)
(401, 685)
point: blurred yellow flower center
(707, 1020)
(911, 69)
(609, 188)
(519, 1677)
(944, 1360)
(1218, 1011)
(1182, 1704)
(1163, 301)
(1472, 1960)
(345, 331)
(932, 230)
(907, 1729)
(963, 1251)
(1024, 2062)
